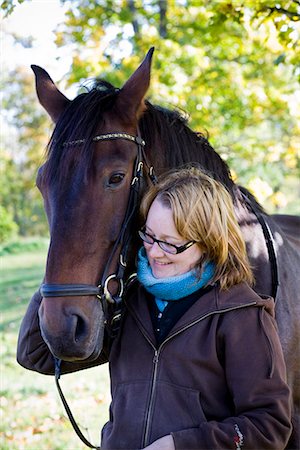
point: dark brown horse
(91, 182)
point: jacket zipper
(150, 407)
(156, 359)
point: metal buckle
(106, 292)
(115, 318)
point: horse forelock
(80, 121)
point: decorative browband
(108, 136)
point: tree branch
(132, 8)
(292, 15)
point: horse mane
(164, 128)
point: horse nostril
(80, 330)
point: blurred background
(233, 67)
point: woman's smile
(155, 262)
(160, 224)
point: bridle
(123, 242)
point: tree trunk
(132, 8)
(162, 18)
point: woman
(197, 363)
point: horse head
(86, 183)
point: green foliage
(22, 153)
(23, 112)
(20, 197)
(8, 227)
(24, 245)
(7, 6)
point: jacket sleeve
(256, 377)
(34, 354)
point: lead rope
(67, 408)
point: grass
(32, 416)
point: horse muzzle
(72, 333)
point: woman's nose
(155, 250)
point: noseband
(123, 241)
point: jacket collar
(212, 302)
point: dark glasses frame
(165, 246)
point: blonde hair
(203, 212)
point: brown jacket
(216, 382)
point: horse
(106, 147)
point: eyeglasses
(165, 246)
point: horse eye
(116, 178)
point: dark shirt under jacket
(164, 321)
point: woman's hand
(164, 443)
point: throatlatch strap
(67, 408)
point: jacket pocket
(127, 416)
(175, 408)
(170, 408)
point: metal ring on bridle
(122, 262)
(106, 292)
(140, 167)
(134, 180)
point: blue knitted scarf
(171, 288)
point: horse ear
(49, 96)
(130, 98)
